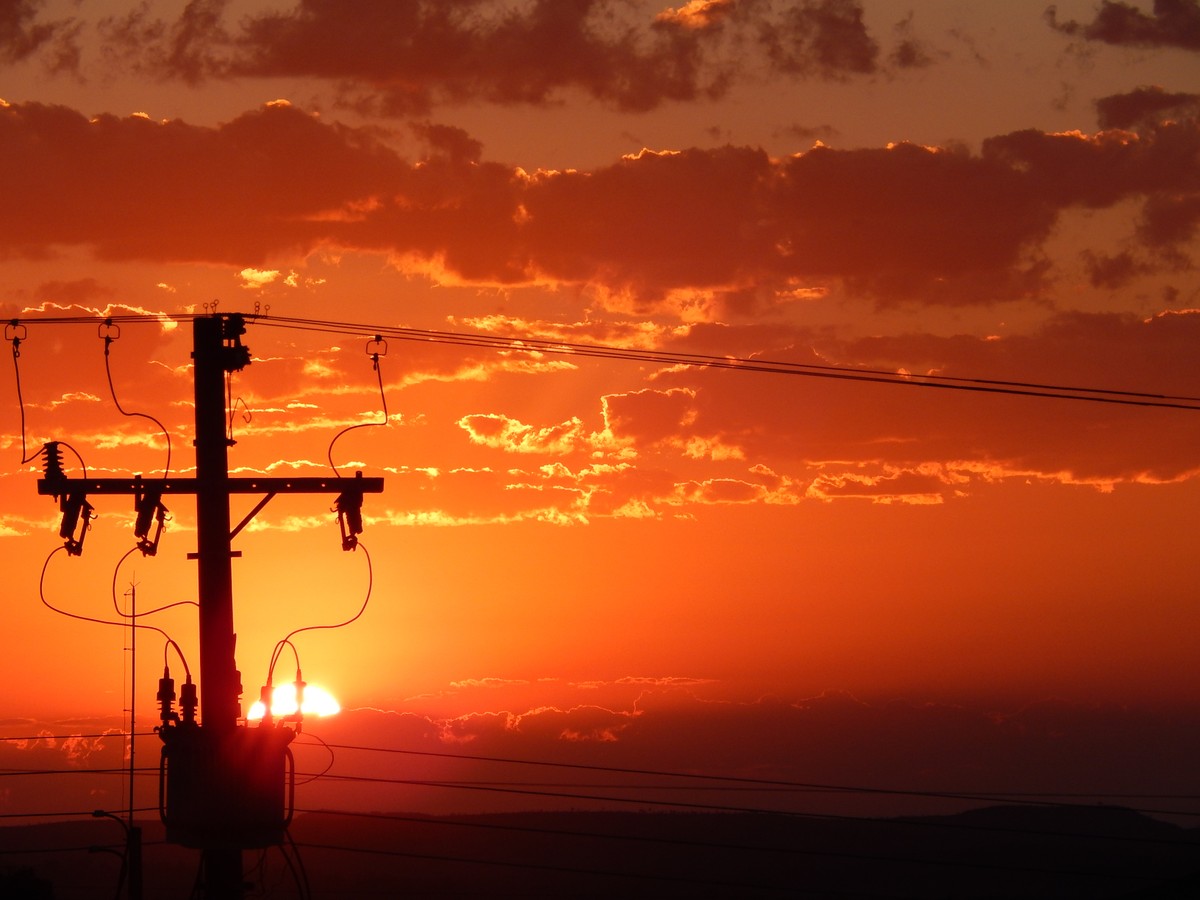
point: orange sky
(585, 551)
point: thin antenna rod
(132, 690)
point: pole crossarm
(95, 486)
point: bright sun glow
(317, 702)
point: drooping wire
(328, 765)
(784, 850)
(98, 621)
(726, 782)
(709, 885)
(377, 343)
(16, 336)
(295, 863)
(353, 618)
(106, 332)
(287, 640)
(149, 612)
(278, 651)
(256, 873)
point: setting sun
(317, 702)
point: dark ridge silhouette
(995, 852)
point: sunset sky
(622, 559)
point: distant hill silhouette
(994, 852)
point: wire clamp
(108, 332)
(376, 347)
(16, 332)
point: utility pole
(219, 678)
(224, 783)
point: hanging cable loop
(16, 332)
(109, 332)
(376, 348)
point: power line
(676, 358)
(987, 796)
(775, 367)
(73, 814)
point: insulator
(166, 697)
(265, 698)
(145, 506)
(188, 701)
(77, 513)
(301, 684)
(349, 510)
(149, 507)
(52, 461)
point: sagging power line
(534, 345)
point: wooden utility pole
(220, 682)
(221, 797)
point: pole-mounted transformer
(231, 790)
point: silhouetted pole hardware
(131, 859)
(225, 787)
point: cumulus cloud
(154, 190)
(1145, 107)
(675, 232)
(512, 436)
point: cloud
(402, 57)
(1172, 23)
(823, 37)
(915, 441)
(157, 190)
(689, 233)
(1113, 271)
(72, 293)
(507, 434)
(1145, 107)
(648, 416)
(190, 48)
(910, 51)
(24, 35)
(698, 14)
(407, 56)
